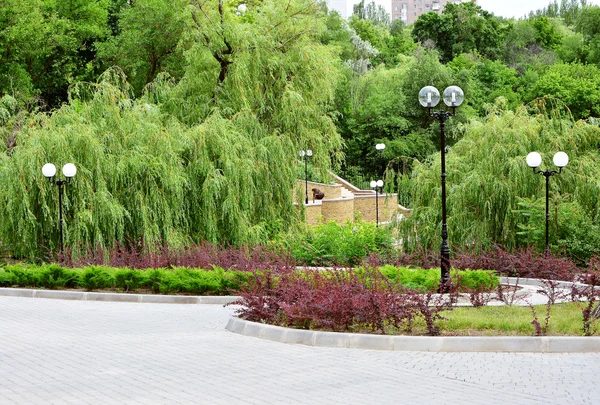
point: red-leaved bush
(339, 300)
(202, 255)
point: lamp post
(69, 170)
(306, 154)
(380, 147)
(534, 159)
(377, 185)
(453, 97)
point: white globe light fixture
(534, 159)
(453, 96)
(429, 96)
(69, 170)
(48, 170)
(561, 159)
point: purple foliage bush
(201, 255)
(339, 300)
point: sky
(503, 8)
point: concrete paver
(86, 352)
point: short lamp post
(429, 97)
(534, 160)
(377, 185)
(306, 154)
(69, 170)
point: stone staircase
(343, 202)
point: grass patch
(566, 319)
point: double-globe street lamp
(378, 186)
(429, 97)
(534, 160)
(69, 170)
(306, 154)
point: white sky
(504, 8)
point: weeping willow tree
(492, 193)
(211, 157)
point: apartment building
(409, 10)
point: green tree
(487, 80)
(588, 24)
(149, 35)
(576, 85)
(546, 32)
(211, 157)
(372, 12)
(46, 45)
(461, 28)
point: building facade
(409, 10)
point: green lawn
(565, 319)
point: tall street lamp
(453, 97)
(306, 154)
(69, 170)
(534, 159)
(377, 185)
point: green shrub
(7, 278)
(96, 278)
(130, 280)
(476, 279)
(24, 276)
(54, 276)
(332, 243)
(429, 279)
(191, 281)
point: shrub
(332, 244)
(54, 276)
(7, 278)
(424, 280)
(477, 279)
(201, 255)
(338, 300)
(22, 275)
(96, 278)
(128, 280)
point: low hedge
(423, 280)
(217, 281)
(160, 281)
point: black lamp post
(306, 154)
(534, 159)
(453, 97)
(377, 185)
(380, 147)
(69, 170)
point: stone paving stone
(89, 352)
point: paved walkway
(84, 352)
